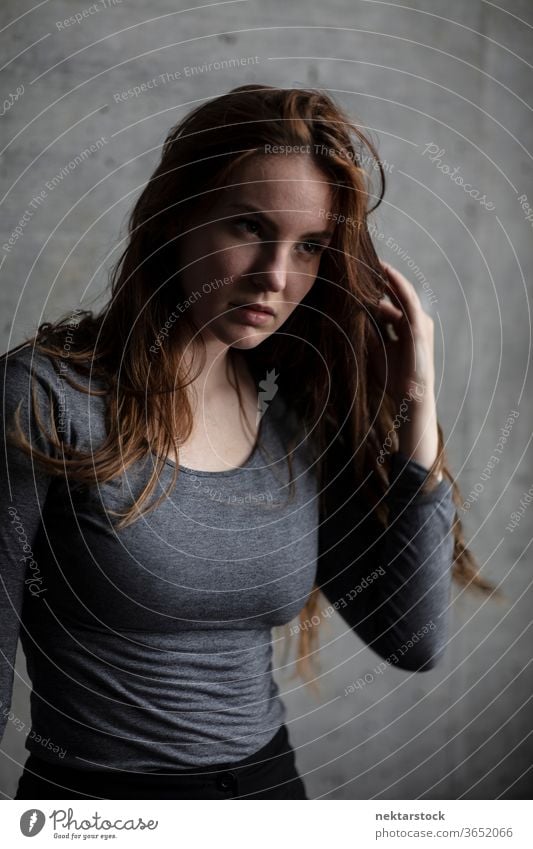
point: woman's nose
(272, 268)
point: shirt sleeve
(392, 585)
(23, 491)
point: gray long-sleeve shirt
(150, 648)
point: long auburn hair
(146, 388)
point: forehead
(281, 182)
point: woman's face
(260, 243)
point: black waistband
(275, 747)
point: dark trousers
(269, 773)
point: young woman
(235, 440)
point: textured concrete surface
(449, 74)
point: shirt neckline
(251, 462)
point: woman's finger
(386, 309)
(381, 336)
(403, 293)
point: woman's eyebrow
(248, 207)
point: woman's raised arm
(392, 586)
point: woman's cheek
(235, 260)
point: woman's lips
(248, 315)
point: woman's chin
(242, 337)
(250, 341)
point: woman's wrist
(418, 435)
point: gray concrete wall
(452, 74)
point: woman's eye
(247, 224)
(312, 248)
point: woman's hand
(404, 367)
